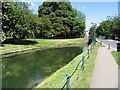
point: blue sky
(94, 11)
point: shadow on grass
(19, 42)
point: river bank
(14, 49)
(83, 77)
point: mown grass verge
(43, 43)
(116, 56)
(83, 77)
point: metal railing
(65, 83)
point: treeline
(17, 20)
(109, 28)
(54, 20)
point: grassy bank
(116, 56)
(84, 77)
(42, 43)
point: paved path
(106, 70)
(106, 42)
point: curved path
(106, 42)
(106, 70)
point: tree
(92, 31)
(110, 27)
(116, 26)
(17, 20)
(81, 16)
(55, 20)
(99, 31)
(66, 21)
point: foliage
(56, 20)
(116, 26)
(66, 21)
(17, 20)
(109, 28)
(92, 29)
(117, 57)
(92, 33)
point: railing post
(68, 82)
(82, 62)
(88, 53)
(109, 46)
(95, 42)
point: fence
(65, 83)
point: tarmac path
(105, 73)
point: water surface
(27, 69)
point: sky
(95, 12)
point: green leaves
(109, 27)
(55, 20)
(17, 20)
(66, 21)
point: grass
(84, 76)
(116, 56)
(43, 43)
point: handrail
(90, 47)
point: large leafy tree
(92, 31)
(116, 26)
(17, 20)
(66, 21)
(56, 20)
(109, 27)
(106, 28)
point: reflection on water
(27, 69)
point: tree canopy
(16, 20)
(109, 28)
(54, 20)
(63, 20)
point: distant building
(119, 8)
